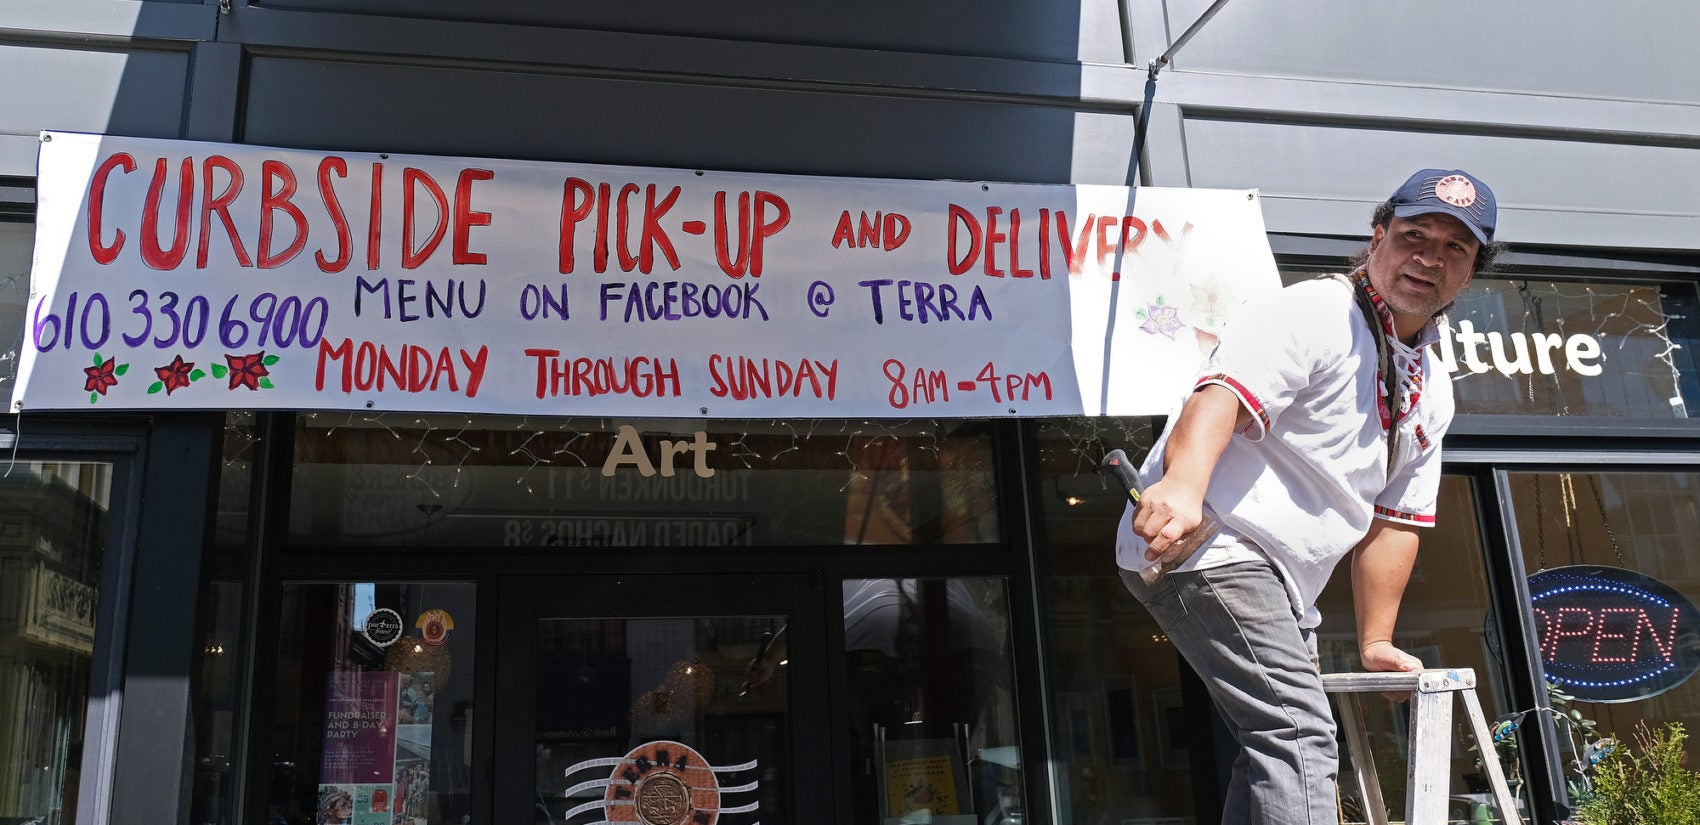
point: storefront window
(669, 690)
(1120, 729)
(570, 483)
(932, 701)
(1574, 347)
(52, 545)
(218, 687)
(17, 239)
(1120, 745)
(373, 712)
(1634, 654)
(1571, 346)
(1445, 620)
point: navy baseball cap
(1452, 192)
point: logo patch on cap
(1456, 190)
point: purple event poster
(360, 729)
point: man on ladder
(1313, 431)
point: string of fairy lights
(443, 445)
(1628, 314)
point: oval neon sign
(1613, 635)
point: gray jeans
(1235, 626)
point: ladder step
(1428, 777)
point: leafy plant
(1649, 788)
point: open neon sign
(1613, 635)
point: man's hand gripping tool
(1117, 466)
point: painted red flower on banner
(102, 376)
(249, 370)
(175, 375)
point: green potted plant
(1651, 787)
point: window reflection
(52, 546)
(1119, 737)
(1574, 347)
(1641, 521)
(17, 239)
(218, 687)
(446, 480)
(374, 704)
(618, 690)
(931, 697)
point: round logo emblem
(663, 783)
(1456, 190)
(434, 626)
(382, 627)
(662, 799)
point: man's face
(1419, 265)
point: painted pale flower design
(1208, 302)
(1160, 319)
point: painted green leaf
(270, 360)
(197, 375)
(219, 370)
(122, 368)
(97, 361)
(155, 387)
(93, 398)
(266, 383)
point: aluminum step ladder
(1429, 775)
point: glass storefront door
(53, 547)
(663, 700)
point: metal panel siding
(388, 107)
(1557, 47)
(85, 90)
(1324, 179)
(1031, 29)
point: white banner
(186, 275)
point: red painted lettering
(870, 231)
(733, 265)
(97, 201)
(344, 238)
(220, 205)
(1106, 246)
(466, 217)
(1015, 270)
(577, 197)
(1075, 255)
(1045, 244)
(411, 179)
(896, 231)
(623, 214)
(654, 237)
(153, 255)
(959, 265)
(271, 203)
(993, 238)
(845, 233)
(375, 217)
